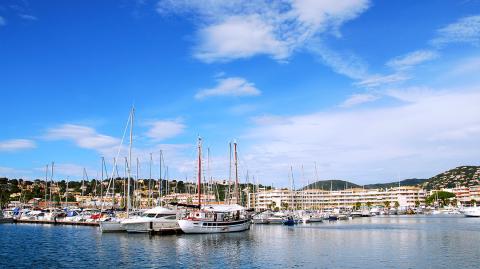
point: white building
(321, 199)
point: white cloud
(2, 21)
(233, 86)
(372, 81)
(163, 129)
(465, 30)
(16, 144)
(242, 109)
(357, 99)
(28, 17)
(468, 66)
(84, 137)
(412, 59)
(239, 37)
(239, 29)
(343, 63)
(416, 139)
(10, 172)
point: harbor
(421, 241)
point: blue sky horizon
(365, 91)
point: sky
(366, 91)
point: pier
(58, 222)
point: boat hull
(207, 227)
(148, 226)
(472, 212)
(260, 221)
(6, 220)
(111, 226)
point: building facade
(406, 197)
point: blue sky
(370, 91)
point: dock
(58, 222)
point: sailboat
(213, 218)
(114, 224)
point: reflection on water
(378, 242)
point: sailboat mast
(149, 181)
(160, 181)
(46, 184)
(229, 172)
(237, 191)
(199, 172)
(51, 184)
(130, 159)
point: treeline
(57, 190)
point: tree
(358, 205)
(417, 203)
(442, 196)
(473, 202)
(387, 204)
(397, 204)
(273, 205)
(369, 204)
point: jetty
(57, 222)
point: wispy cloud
(357, 99)
(240, 29)
(163, 129)
(242, 109)
(82, 136)
(412, 59)
(10, 172)
(373, 81)
(409, 137)
(345, 63)
(465, 30)
(233, 86)
(28, 17)
(16, 144)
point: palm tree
(369, 204)
(417, 203)
(358, 205)
(387, 204)
(397, 204)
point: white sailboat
(214, 218)
(114, 224)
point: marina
(422, 241)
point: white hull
(207, 227)
(149, 225)
(260, 221)
(275, 220)
(111, 226)
(472, 212)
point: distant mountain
(405, 182)
(460, 176)
(334, 184)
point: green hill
(333, 184)
(460, 176)
(405, 182)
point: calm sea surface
(377, 242)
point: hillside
(405, 182)
(460, 176)
(334, 184)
